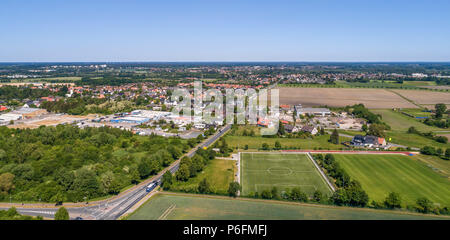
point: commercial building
(131, 119)
(313, 111)
(27, 112)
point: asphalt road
(114, 207)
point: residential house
(310, 129)
(290, 128)
(368, 141)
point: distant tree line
(20, 93)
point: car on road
(151, 186)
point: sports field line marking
(321, 173)
(282, 159)
(283, 185)
(167, 212)
(272, 170)
(278, 153)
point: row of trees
(440, 123)
(294, 194)
(440, 110)
(430, 135)
(349, 191)
(429, 150)
(360, 111)
(422, 205)
(189, 168)
(377, 126)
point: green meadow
(381, 174)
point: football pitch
(263, 171)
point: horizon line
(235, 61)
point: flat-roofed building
(313, 111)
(28, 112)
(7, 117)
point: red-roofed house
(263, 123)
(381, 141)
(49, 99)
(3, 108)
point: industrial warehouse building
(27, 112)
(131, 119)
(141, 116)
(313, 111)
(22, 113)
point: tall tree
(317, 196)
(167, 180)
(440, 109)
(62, 214)
(6, 183)
(424, 205)
(277, 145)
(377, 130)
(233, 189)
(393, 200)
(334, 138)
(204, 186)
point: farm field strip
(340, 97)
(192, 207)
(425, 97)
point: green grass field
(438, 164)
(219, 173)
(200, 207)
(256, 142)
(413, 140)
(261, 171)
(399, 126)
(381, 174)
(400, 122)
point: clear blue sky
(212, 30)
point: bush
(233, 189)
(441, 139)
(424, 205)
(62, 214)
(428, 150)
(393, 200)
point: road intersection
(114, 207)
